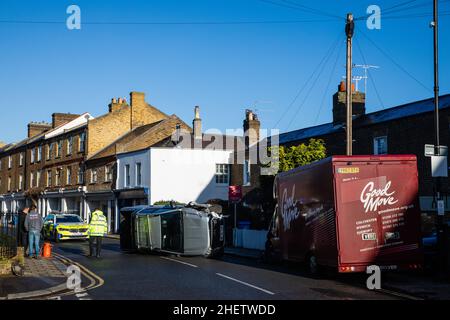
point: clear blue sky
(224, 68)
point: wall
(131, 159)
(186, 175)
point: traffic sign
(439, 166)
(235, 193)
(429, 150)
(432, 150)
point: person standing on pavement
(98, 228)
(33, 224)
(22, 232)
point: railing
(8, 235)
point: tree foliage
(295, 156)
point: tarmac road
(149, 276)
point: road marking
(246, 284)
(399, 294)
(81, 295)
(54, 298)
(182, 262)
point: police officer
(98, 228)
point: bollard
(47, 250)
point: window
(31, 179)
(127, 175)
(82, 142)
(9, 162)
(247, 172)
(50, 151)
(138, 174)
(94, 176)
(49, 178)
(59, 149)
(80, 176)
(108, 173)
(39, 153)
(9, 183)
(69, 176)
(38, 178)
(58, 177)
(20, 182)
(21, 157)
(69, 145)
(32, 151)
(380, 145)
(222, 173)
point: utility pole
(441, 233)
(349, 30)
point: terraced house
(49, 166)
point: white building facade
(165, 174)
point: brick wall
(104, 130)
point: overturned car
(194, 229)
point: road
(145, 276)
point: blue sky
(224, 68)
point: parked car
(347, 213)
(194, 229)
(60, 226)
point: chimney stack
(197, 124)
(116, 104)
(36, 128)
(62, 118)
(251, 128)
(340, 107)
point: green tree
(295, 156)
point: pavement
(42, 277)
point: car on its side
(60, 226)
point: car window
(68, 219)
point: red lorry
(349, 212)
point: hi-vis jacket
(98, 226)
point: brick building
(403, 129)
(49, 165)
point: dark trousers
(23, 239)
(97, 243)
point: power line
(314, 82)
(393, 61)
(329, 82)
(299, 7)
(312, 10)
(168, 23)
(397, 8)
(304, 85)
(370, 77)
